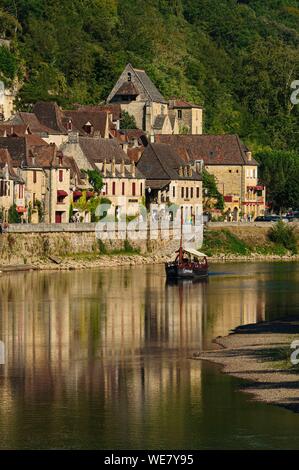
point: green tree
(211, 191)
(127, 121)
(279, 172)
(13, 215)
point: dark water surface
(100, 359)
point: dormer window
(129, 77)
(70, 125)
(88, 128)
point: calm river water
(100, 359)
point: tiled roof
(5, 159)
(50, 115)
(135, 153)
(98, 150)
(212, 149)
(149, 86)
(127, 89)
(161, 162)
(98, 120)
(176, 103)
(30, 120)
(31, 151)
(113, 109)
(18, 130)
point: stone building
(171, 181)
(136, 94)
(124, 185)
(232, 164)
(47, 177)
(12, 188)
(7, 100)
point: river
(100, 359)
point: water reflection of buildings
(118, 336)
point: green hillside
(237, 58)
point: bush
(13, 215)
(284, 235)
(102, 247)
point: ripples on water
(100, 359)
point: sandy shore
(261, 355)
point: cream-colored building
(124, 185)
(12, 190)
(170, 181)
(232, 164)
(7, 100)
(137, 95)
(47, 175)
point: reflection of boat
(189, 264)
(182, 281)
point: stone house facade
(124, 185)
(12, 188)
(234, 168)
(170, 181)
(136, 94)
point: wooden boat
(189, 264)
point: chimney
(122, 168)
(249, 156)
(113, 167)
(105, 168)
(133, 169)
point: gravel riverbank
(260, 354)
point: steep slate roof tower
(137, 95)
(135, 84)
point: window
(133, 189)
(106, 188)
(34, 176)
(60, 176)
(113, 188)
(187, 193)
(123, 189)
(182, 193)
(197, 192)
(21, 191)
(33, 199)
(129, 77)
(180, 114)
(191, 193)
(173, 191)
(141, 189)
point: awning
(61, 193)
(193, 252)
(89, 194)
(77, 194)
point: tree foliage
(127, 121)
(211, 191)
(279, 171)
(236, 58)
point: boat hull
(174, 271)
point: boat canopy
(193, 252)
